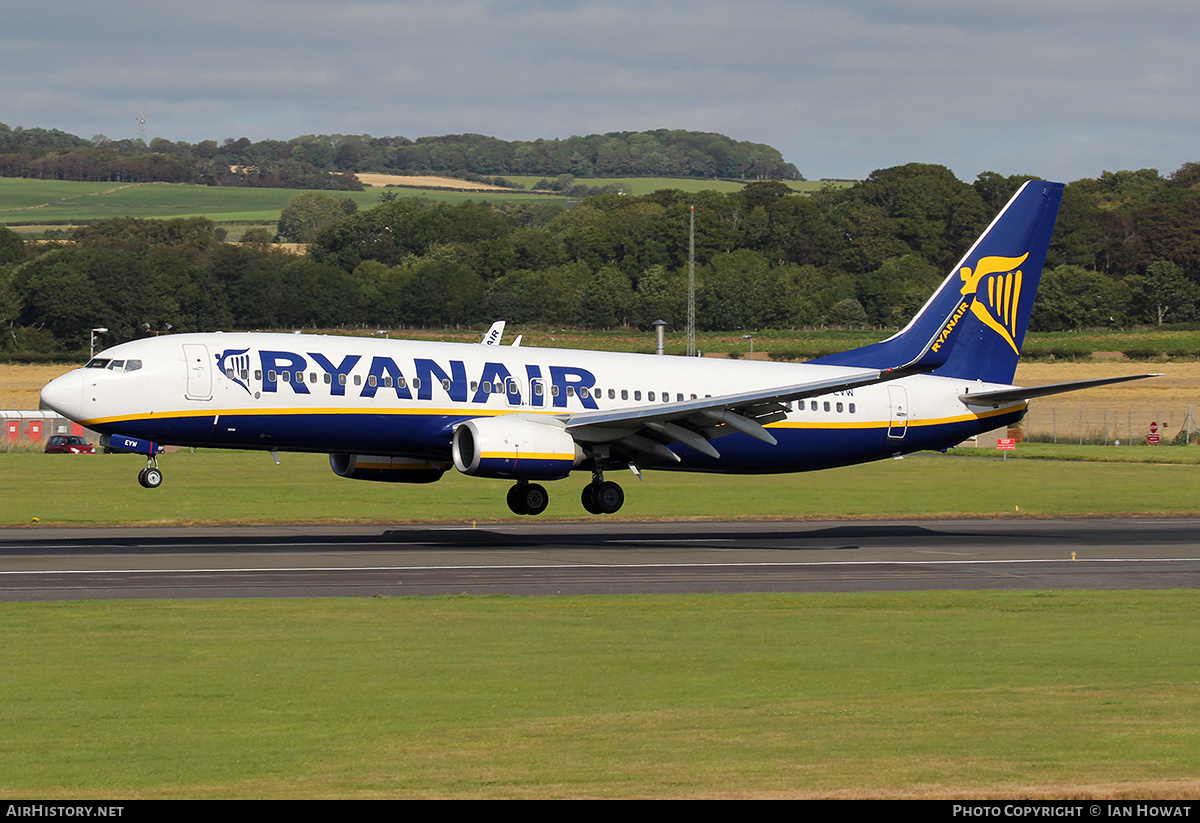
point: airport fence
(1110, 424)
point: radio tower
(691, 322)
(142, 127)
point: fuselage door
(199, 371)
(898, 412)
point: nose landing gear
(150, 477)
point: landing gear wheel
(608, 497)
(150, 477)
(514, 500)
(528, 498)
(535, 499)
(588, 498)
(602, 498)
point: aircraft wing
(695, 422)
(1017, 393)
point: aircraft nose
(64, 395)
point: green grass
(76, 202)
(1161, 454)
(211, 486)
(957, 693)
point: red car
(68, 444)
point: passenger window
(583, 392)
(358, 379)
(286, 376)
(839, 408)
(814, 405)
(271, 376)
(445, 384)
(312, 377)
(387, 381)
(341, 379)
(416, 384)
(624, 394)
(372, 381)
(487, 386)
(329, 378)
(637, 395)
(612, 395)
(650, 396)
(570, 391)
(826, 405)
(403, 384)
(537, 389)
(554, 391)
(229, 373)
(852, 408)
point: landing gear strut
(527, 498)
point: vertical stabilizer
(973, 326)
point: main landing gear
(527, 498)
(598, 497)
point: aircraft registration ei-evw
(406, 411)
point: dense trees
(1125, 252)
(329, 161)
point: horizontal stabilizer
(1016, 394)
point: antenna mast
(691, 320)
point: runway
(530, 558)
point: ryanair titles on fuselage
(284, 370)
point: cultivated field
(425, 182)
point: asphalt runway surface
(530, 558)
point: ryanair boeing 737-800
(406, 411)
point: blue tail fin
(973, 326)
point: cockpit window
(113, 365)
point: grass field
(210, 486)
(37, 202)
(944, 694)
(35, 205)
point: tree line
(1126, 251)
(330, 161)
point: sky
(1063, 89)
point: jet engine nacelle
(386, 469)
(514, 447)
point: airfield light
(92, 344)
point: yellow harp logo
(996, 286)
